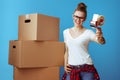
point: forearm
(65, 58)
(100, 37)
(66, 65)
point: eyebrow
(78, 16)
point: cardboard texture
(31, 54)
(50, 73)
(38, 27)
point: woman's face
(78, 18)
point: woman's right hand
(67, 68)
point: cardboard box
(50, 73)
(30, 54)
(38, 27)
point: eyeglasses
(77, 17)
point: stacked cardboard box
(37, 54)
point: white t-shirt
(78, 47)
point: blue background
(105, 57)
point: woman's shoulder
(89, 30)
(65, 30)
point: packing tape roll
(100, 20)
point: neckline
(77, 36)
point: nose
(79, 20)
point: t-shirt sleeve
(92, 36)
(64, 36)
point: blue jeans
(84, 76)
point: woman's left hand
(99, 36)
(98, 32)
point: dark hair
(82, 7)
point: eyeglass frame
(77, 17)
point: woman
(78, 64)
